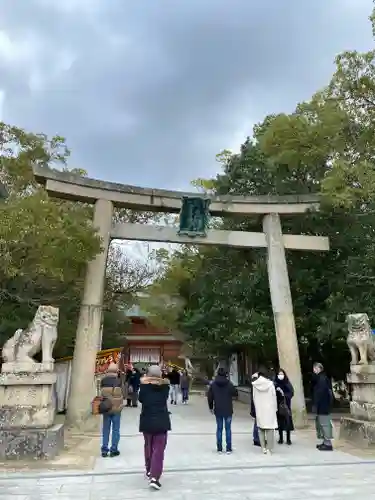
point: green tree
(46, 243)
(326, 146)
(226, 301)
(164, 300)
(335, 129)
(126, 277)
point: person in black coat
(174, 379)
(220, 401)
(128, 392)
(284, 395)
(154, 422)
(134, 382)
(256, 440)
(322, 405)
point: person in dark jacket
(256, 440)
(184, 386)
(322, 405)
(174, 379)
(220, 401)
(154, 422)
(111, 389)
(284, 394)
(128, 374)
(134, 382)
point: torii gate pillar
(282, 306)
(89, 323)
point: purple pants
(154, 453)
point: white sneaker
(264, 451)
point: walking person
(154, 422)
(111, 389)
(174, 379)
(284, 395)
(322, 406)
(265, 403)
(220, 401)
(256, 441)
(184, 386)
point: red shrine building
(146, 343)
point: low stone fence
(244, 394)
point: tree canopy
(326, 146)
(45, 244)
(217, 297)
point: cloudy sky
(148, 92)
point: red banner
(103, 361)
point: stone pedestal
(26, 367)
(359, 428)
(358, 432)
(26, 444)
(27, 413)
(27, 400)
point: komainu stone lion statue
(360, 339)
(41, 334)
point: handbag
(95, 403)
(283, 409)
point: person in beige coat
(265, 402)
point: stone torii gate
(106, 195)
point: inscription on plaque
(194, 216)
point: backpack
(101, 405)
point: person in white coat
(265, 402)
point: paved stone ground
(194, 471)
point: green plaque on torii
(194, 216)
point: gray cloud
(148, 92)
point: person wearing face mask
(265, 405)
(322, 405)
(284, 394)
